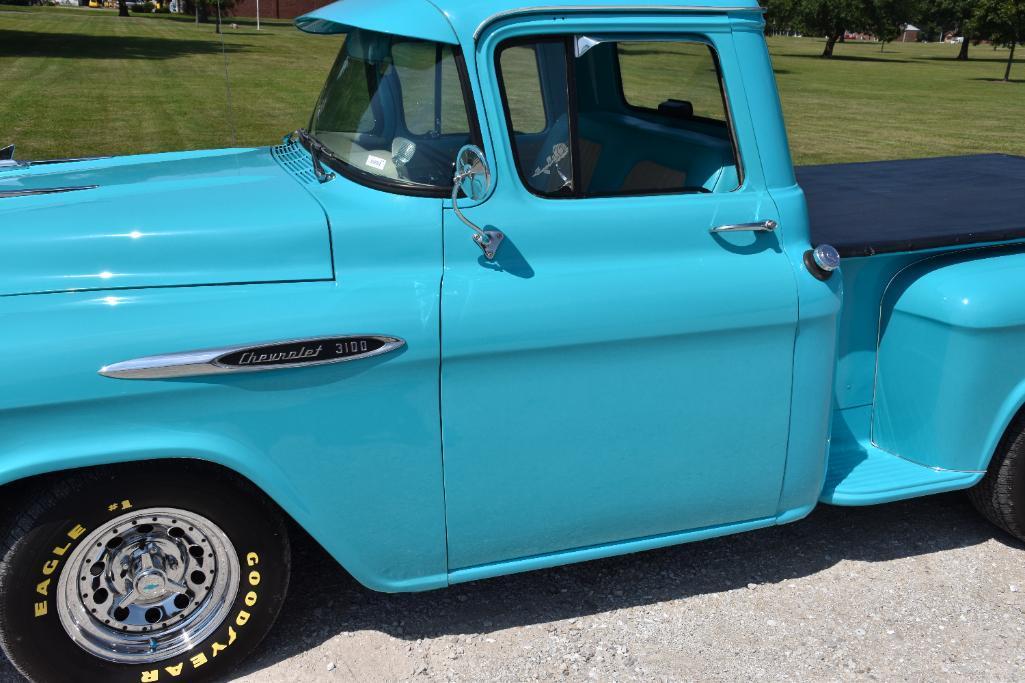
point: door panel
(612, 386)
(617, 372)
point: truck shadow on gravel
(324, 601)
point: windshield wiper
(316, 149)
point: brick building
(277, 9)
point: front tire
(148, 572)
(1000, 496)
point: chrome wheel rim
(148, 585)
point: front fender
(351, 451)
(951, 372)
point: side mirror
(473, 179)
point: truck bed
(888, 206)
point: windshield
(393, 109)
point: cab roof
(453, 21)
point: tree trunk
(963, 54)
(830, 44)
(218, 29)
(122, 8)
(1010, 61)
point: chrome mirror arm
(472, 168)
(487, 240)
(481, 237)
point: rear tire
(1000, 496)
(148, 572)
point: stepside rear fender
(950, 371)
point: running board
(860, 473)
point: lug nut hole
(153, 615)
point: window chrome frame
(629, 36)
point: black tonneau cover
(886, 206)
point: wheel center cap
(151, 584)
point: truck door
(617, 371)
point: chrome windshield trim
(43, 190)
(636, 9)
(266, 356)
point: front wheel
(150, 572)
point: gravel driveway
(920, 590)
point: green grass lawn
(83, 82)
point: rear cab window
(593, 117)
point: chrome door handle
(764, 226)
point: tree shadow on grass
(999, 80)
(846, 58)
(78, 46)
(982, 60)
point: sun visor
(409, 18)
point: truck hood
(159, 220)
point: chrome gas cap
(822, 261)
(826, 257)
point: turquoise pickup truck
(535, 285)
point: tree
(204, 9)
(779, 15)
(1003, 22)
(886, 17)
(122, 8)
(955, 15)
(829, 18)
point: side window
(618, 117)
(535, 89)
(675, 79)
(522, 76)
